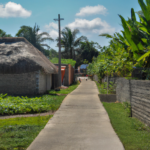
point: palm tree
(70, 42)
(32, 35)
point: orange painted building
(67, 75)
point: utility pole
(59, 30)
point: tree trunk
(107, 84)
(74, 55)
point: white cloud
(92, 10)
(52, 28)
(53, 34)
(51, 25)
(94, 26)
(12, 9)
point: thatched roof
(17, 55)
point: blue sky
(91, 17)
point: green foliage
(35, 38)
(65, 91)
(23, 105)
(3, 34)
(85, 61)
(18, 133)
(114, 59)
(53, 54)
(139, 126)
(127, 106)
(133, 133)
(20, 105)
(87, 50)
(103, 88)
(129, 48)
(64, 61)
(70, 42)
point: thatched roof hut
(24, 70)
(17, 55)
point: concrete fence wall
(137, 92)
(122, 90)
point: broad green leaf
(140, 46)
(144, 40)
(144, 56)
(133, 17)
(144, 9)
(144, 29)
(128, 34)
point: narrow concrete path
(81, 123)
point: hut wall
(19, 84)
(45, 82)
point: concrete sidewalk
(81, 123)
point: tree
(32, 35)
(136, 35)
(70, 42)
(85, 61)
(89, 50)
(53, 54)
(3, 34)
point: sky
(91, 17)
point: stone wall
(19, 84)
(137, 92)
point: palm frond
(45, 39)
(106, 35)
(45, 45)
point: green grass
(65, 91)
(23, 105)
(133, 133)
(18, 133)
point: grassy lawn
(18, 133)
(132, 132)
(66, 91)
(23, 105)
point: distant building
(67, 76)
(83, 68)
(24, 70)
